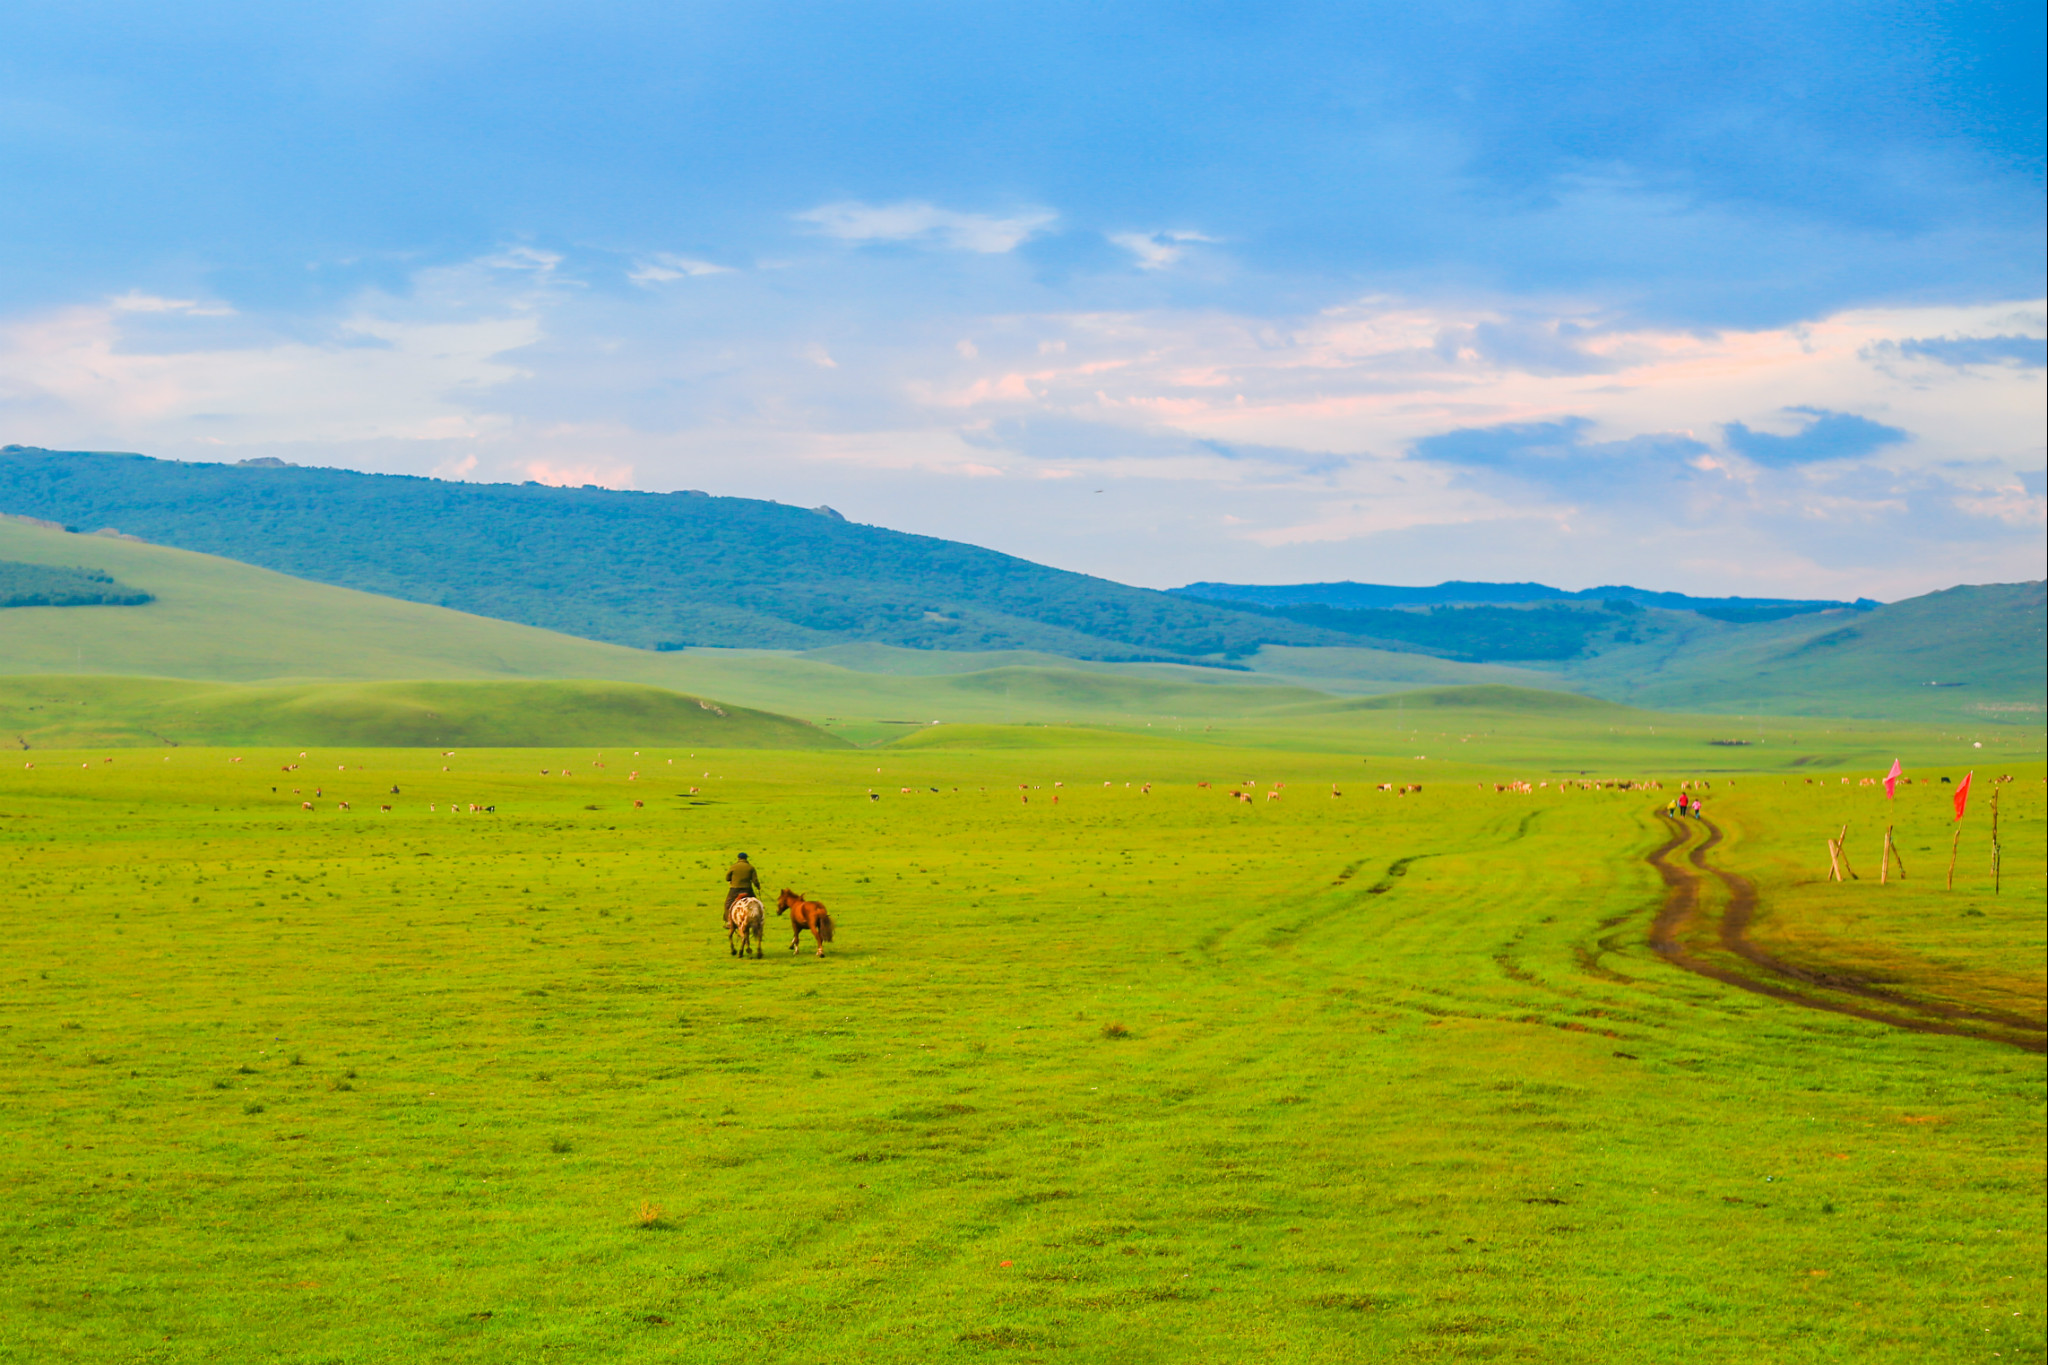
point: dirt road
(1742, 964)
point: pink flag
(1963, 794)
(1891, 780)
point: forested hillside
(643, 569)
(49, 585)
(1477, 634)
(1348, 596)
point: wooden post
(1884, 858)
(1842, 843)
(1891, 846)
(1953, 845)
(1834, 863)
(1994, 836)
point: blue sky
(1721, 298)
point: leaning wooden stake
(1842, 843)
(1953, 845)
(1891, 849)
(1994, 838)
(1834, 863)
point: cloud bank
(1709, 297)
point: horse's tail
(824, 926)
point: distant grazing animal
(743, 920)
(305, 805)
(804, 915)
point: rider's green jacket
(742, 877)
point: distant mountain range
(1379, 596)
(662, 572)
(111, 605)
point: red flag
(1963, 794)
(1891, 780)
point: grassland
(1137, 1076)
(46, 712)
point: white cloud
(1157, 250)
(1297, 427)
(83, 379)
(602, 474)
(526, 258)
(135, 301)
(663, 268)
(915, 221)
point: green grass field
(1137, 1076)
(59, 712)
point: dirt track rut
(1813, 989)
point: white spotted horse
(743, 923)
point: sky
(1738, 298)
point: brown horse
(743, 918)
(804, 915)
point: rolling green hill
(654, 571)
(216, 620)
(213, 619)
(1968, 653)
(61, 712)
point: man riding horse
(741, 880)
(743, 910)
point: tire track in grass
(1681, 909)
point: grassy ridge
(1419, 730)
(61, 712)
(1987, 646)
(217, 620)
(1143, 1076)
(638, 569)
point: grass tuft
(1115, 1031)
